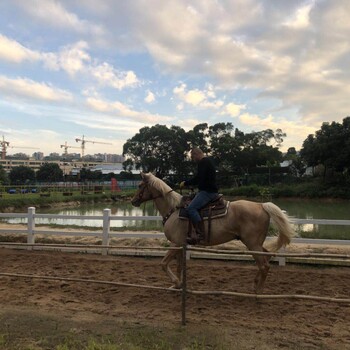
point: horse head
(145, 191)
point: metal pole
(184, 285)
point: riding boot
(200, 233)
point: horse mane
(164, 189)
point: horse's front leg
(169, 256)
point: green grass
(34, 199)
(119, 336)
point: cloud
(106, 75)
(301, 17)
(150, 97)
(29, 89)
(196, 97)
(73, 59)
(296, 131)
(12, 51)
(121, 110)
(52, 13)
(233, 109)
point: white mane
(163, 188)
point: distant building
(38, 155)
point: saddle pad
(217, 211)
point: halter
(140, 195)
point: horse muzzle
(136, 202)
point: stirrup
(194, 240)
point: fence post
(281, 259)
(105, 232)
(31, 227)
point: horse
(245, 220)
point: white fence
(106, 234)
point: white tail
(285, 229)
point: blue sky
(105, 68)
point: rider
(205, 179)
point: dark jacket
(206, 176)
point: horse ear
(145, 176)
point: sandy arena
(283, 323)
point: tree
(164, 150)
(157, 149)
(224, 146)
(88, 175)
(198, 137)
(4, 179)
(330, 147)
(49, 172)
(256, 151)
(21, 175)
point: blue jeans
(200, 200)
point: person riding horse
(205, 180)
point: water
(117, 209)
(318, 209)
(302, 209)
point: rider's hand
(182, 184)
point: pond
(302, 209)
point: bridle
(140, 195)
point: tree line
(48, 172)
(164, 150)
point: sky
(104, 69)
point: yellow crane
(6, 144)
(83, 141)
(66, 147)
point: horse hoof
(174, 286)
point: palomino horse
(245, 220)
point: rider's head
(196, 154)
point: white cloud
(12, 51)
(106, 75)
(300, 18)
(71, 58)
(54, 14)
(296, 132)
(26, 88)
(233, 109)
(121, 110)
(150, 97)
(196, 97)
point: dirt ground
(266, 324)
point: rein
(166, 217)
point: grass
(36, 331)
(34, 199)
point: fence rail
(105, 234)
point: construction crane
(6, 144)
(66, 147)
(83, 141)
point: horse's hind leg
(263, 265)
(169, 256)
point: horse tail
(285, 229)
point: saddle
(216, 208)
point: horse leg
(169, 256)
(264, 267)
